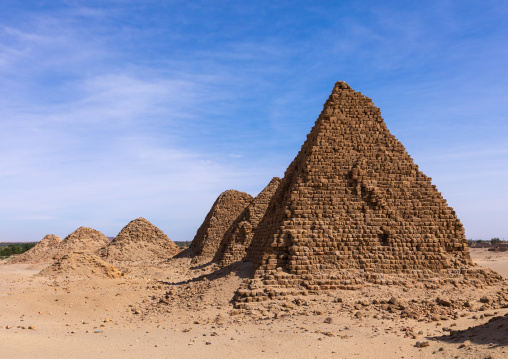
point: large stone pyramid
(42, 252)
(140, 241)
(83, 239)
(353, 200)
(228, 206)
(239, 236)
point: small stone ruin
(42, 252)
(81, 264)
(140, 241)
(83, 239)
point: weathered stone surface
(228, 206)
(83, 239)
(140, 241)
(42, 252)
(239, 236)
(81, 264)
(353, 198)
(351, 207)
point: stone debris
(83, 239)
(139, 241)
(42, 252)
(239, 236)
(81, 264)
(228, 206)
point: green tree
(494, 241)
(15, 249)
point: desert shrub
(495, 241)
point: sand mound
(42, 252)
(79, 264)
(83, 239)
(354, 208)
(140, 241)
(239, 236)
(228, 206)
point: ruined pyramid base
(276, 284)
(81, 264)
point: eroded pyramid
(83, 239)
(353, 201)
(81, 264)
(228, 206)
(140, 241)
(42, 252)
(239, 236)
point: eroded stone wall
(239, 236)
(228, 206)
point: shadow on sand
(240, 269)
(494, 332)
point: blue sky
(113, 110)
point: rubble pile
(140, 241)
(42, 252)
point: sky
(115, 109)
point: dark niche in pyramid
(352, 207)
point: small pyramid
(42, 252)
(353, 200)
(83, 239)
(228, 206)
(239, 236)
(81, 264)
(140, 241)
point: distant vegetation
(8, 249)
(479, 242)
(183, 244)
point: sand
(130, 317)
(497, 261)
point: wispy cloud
(113, 111)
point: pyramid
(81, 264)
(82, 239)
(42, 252)
(353, 206)
(140, 241)
(228, 206)
(239, 236)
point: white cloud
(98, 127)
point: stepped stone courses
(140, 240)
(82, 239)
(42, 252)
(351, 208)
(239, 236)
(228, 206)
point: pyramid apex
(340, 86)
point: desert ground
(177, 310)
